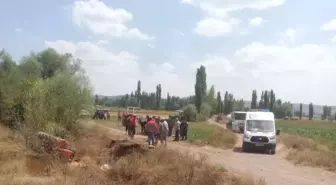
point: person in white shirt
(163, 129)
(177, 130)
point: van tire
(245, 149)
(272, 151)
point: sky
(284, 45)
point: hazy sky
(286, 45)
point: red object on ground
(67, 153)
(61, 143)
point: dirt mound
(121, 148)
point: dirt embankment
(103, 158)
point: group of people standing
(156, 128)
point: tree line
(205, 102)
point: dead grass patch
(305, 151)
(134, 165)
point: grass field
(320, 131)
(208, 134)
(311, 143)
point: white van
(260, 132)
(238, 121)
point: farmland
(203, 133)
(321, 131)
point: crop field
(320, 131)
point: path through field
(273, 168)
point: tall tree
(200, 87)
(138, 92)
(272, 100)
(226, 103)
(219, 103)
(158, 96)
(311, 111)
(301, 111)
(266, 100)
(326, 112)
(254, 103)
(168, 102)
(261, 102)
(231, 101)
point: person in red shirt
(151, 129)
(132, 126)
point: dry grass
(211, 134)
(308, 152)
(162, 166)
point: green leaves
(49, 89)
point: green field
(199, 131)
(207, 134)
(321, 131)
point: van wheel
(245, 149)
(272, 151)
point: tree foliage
(200, 87)
(311, 111)
(45, 91)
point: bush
(306, 151)
(54, 106)
(205, 112)
(46, 91)
(190, 112)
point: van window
(239, 116)
(260, 125)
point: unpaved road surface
(273, 168)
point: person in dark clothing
(143, 121)
(126, 123)
(184, 129)
(132, 126)
(170, 125)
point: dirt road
(273, 168)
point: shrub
(190, 112)
(205, 112)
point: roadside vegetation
(141, 167)
(312, 142)
(210, 134)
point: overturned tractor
(56, 145)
